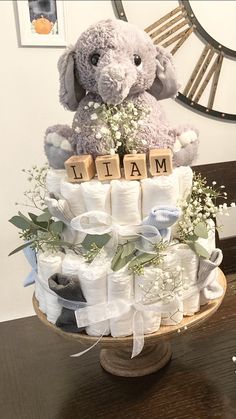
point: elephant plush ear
(165, 84)
(71, 91)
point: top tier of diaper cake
(138, 239)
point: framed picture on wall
(41, 22)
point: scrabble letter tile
(108, 167)
(135, 166)
(80, 168)
(160, 162)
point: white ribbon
(105, 311)
(99, 222)
(89, 315)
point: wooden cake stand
(115, 354)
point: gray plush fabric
(207, 265)
(67, 287)
(116, 80)
(67, 321)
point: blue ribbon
(30, 255)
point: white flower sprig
(200, 207)
(121, 124)
(35, 196)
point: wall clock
(211, 83)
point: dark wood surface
(224, 174)
(39, 380)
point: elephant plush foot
(185, 147)
(58, 145)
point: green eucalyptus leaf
(119, 264)
(20, 222)
(192, 238)
(128, 249)
(199, 249)
(18, 249)
(99, 239)
(201, 230)
(116, 257)
(141, 259)
(57, 227)
(45, 216)
(32, 216)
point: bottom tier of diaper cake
(129, 262)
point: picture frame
(41, 23)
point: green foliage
(128, 254)
(199, 249)
(39, 233)
(200, 230)
(99, 240)
(122, 256)
(94, 243)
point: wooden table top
(39, 380)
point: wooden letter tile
(160, 162)
(135, 166)
(80, 168)
(108, 167)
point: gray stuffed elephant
(113, 78)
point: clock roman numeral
(209, 64)
(167, 31)
(168, 25)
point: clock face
(202, 38)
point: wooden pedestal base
(151, 359)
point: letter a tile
(135, 166)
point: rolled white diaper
(161, 190)
(96, 196)
(49, 264)
(143, 283)
(210, 243)
(71, 264)
(53, 182)
(185, 177)
(121, 286)
(93, 281)
(189, 262)
(72, 236)
(173, 284)
(72, 192)
(126, 201)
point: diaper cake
(134, 226)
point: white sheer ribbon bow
(99, 222)
(105, 311)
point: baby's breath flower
(103, 130)
(96, 105)
(232, 204)
(98, 135)
(91, 103)
(93, 116)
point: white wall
(29, 103)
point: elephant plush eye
(137, 60)
(94, 59)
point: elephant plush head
(115, 60)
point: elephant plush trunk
(115, 82)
